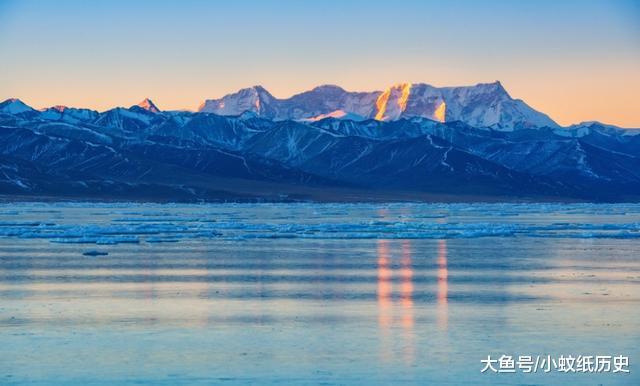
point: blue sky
(575, 60)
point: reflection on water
(384, 285)
(398, 309)
(406, 300)
(443, 285)
(310, 311)
(384, 299)
(406, 288)
(403, 303)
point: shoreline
(432, 199)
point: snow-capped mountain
(253, 99)
(483, 105)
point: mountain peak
(260, 92)
(14, 106)
(254, 90)
(148, 105)
(494, 86)
(254, 98)
(58, 108)
(259, 88)
(328, 87)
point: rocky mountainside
(146, 153)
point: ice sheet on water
(158, 223)
(106, 240)
(168, 239)
(160, 219)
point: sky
(576, 60)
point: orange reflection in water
(406, 301)
(406, 288)
(443, 284)
(398, 313)
(384, 284)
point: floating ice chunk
(162, 239)
(94, 253)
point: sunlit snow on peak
(440, 113)
(392, 102)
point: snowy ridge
(482, 105)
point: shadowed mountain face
(143, 152)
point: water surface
(311, 293)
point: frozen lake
(315, 293)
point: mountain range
(482, 105)
(408, 142)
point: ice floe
(117, 223)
